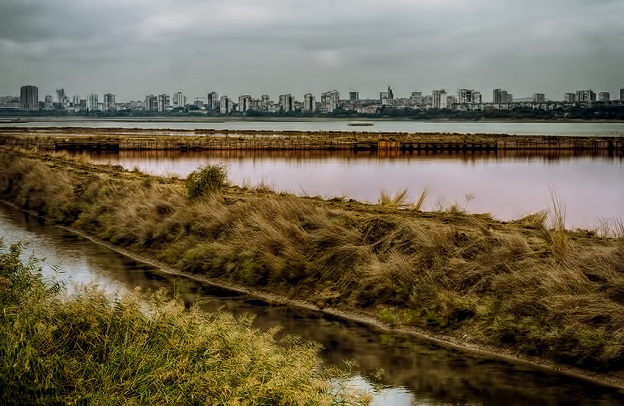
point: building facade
(286, 102)
(330, 101)
(309, 104)
(179, 100)
(92, 102)
(109, 102)
(604, 96)
(244, 103)
(438, 99)
(539, 98)
(225, 105)
(212, 102)
(164, 102)
(587, 96)
(500, 96)
(151, 103)
(29, 97)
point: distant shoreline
(161, 119)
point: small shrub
(206, 180)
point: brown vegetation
(524, 286)
(145, 348)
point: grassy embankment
(521, 287)
(143, 349)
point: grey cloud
(138, 47)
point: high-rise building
(225, 105)
(265, 100)
(569, 98)
(309, 104)
(438, 99)
(212, 103)
(468, 96)
(60, 96)
(383, 96)
(179, 100)
(286, 102)
(622, 94)
(509, 98)
(198, 103)
(164, 102)
(109, 102)
(83, 104)
(244, 103)
(92, 102)
(465, 96)
(330, 101)
(585, 96)
(390, 93)
(151, 103)
(604, 96)
(539, 98)
(354, 96)
(76, 101)
(450, 101)
(29, 97)
(49, 102)
(500, 96)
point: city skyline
(463, 95)
(328, 102)
(275, 47)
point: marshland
(530, 288)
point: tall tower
(92, 102)
(308, 103)
(29, 97)
(179, 100)
(212, 104)
(499, 96)
(438, 99)
(109, 102)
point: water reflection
(416, 371)
(508, 184)
(589, 129)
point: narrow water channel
(416, 372)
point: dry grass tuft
(418, 205)
(398, 200)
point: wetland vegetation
(144, 348)
(527, 288)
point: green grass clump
(143, 348)
(206, 180)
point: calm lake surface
(416, 372)
(469, 127)
(506, 184)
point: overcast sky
(138, 47)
